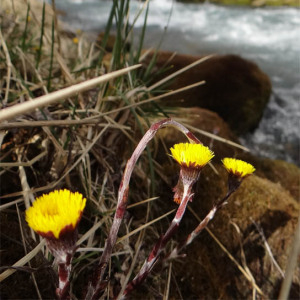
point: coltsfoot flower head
(192, 155)
(238, 167)
(192, 158)
(238, 170)
(55, 214)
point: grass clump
(71, 114)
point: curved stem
(96, 285)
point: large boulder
(208, 272)
(235, 88)
(278, 171)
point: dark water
(268, 36)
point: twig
(93, 119)
(25, 107)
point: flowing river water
(268, 36)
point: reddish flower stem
(63, 250)
(176, 251)
(64, 270)
(96, 285)
(161, 243)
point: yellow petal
(192, 155)
(52, 212)
(238, 167)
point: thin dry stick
(95, 286)
(53, 184)
(110, 211)
(25, 107)
(166, 79)
(228, 254)
(93, 119)
(23, 163)
(137, 251)
(9, 65)
(261, 233)
(167, 290)
(244, 260)
(86, 150)
(11, 203)
(28, 196)
(22, 261)
(144, 226)
(291, 265)
(218, 138)
(25, 250)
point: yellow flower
(192, 155)
(238, 167)
(75, 40)
(56, 212)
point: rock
(235, 88)
(110, 42)
(207, 271)
(277, 171)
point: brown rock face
(208, 272)
(277, 171)
(235, 88)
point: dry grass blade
(137, 251)
(58, 123)
(110, 211)
(25, 250)
(11, 203)
(42, 101)
(23, 164)
(22, 261)
(92, 230)
(9, 65)
(267, 246)
(228, 254)
(168, 78)
(215, 137)
(86, 150)
(167, 289)
(95, 119)
(144, 226)
(243, 258)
